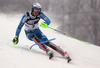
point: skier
(33, 33)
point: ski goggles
(36, 10)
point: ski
(42, 42)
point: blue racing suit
(33, 32)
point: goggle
(36, 10)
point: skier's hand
(44, 25)
(15, 40)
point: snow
(20, 56)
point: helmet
(36, 6)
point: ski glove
(44, 25)
(15, 40)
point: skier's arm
(22, 22)
(45, 18)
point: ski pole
(44, 25)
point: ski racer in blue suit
(31, 21)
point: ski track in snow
(20, 56)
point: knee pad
(33, 36)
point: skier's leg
(42, 46)
(31, 36)
(42, 38)
(59, 50)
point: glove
(44, 25)
(15, 40)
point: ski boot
(67, 57)
(50, 54)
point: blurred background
(78, 18)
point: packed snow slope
(20, 56)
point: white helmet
(36, 6)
